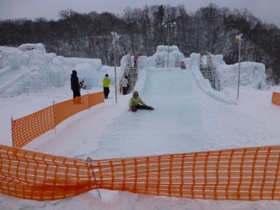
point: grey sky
(266, 10)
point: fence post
(54, 117)
(88, 102)
(27, 90)
(12, 131)
(90, 162)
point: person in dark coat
(75, 86)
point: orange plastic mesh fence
(96, 98)
(26, 129)
(276, 98)
(29, 175)
(30, 127)
(238, 174)
(247, 174)
(66, 109)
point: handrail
(206, 70)
(124, 73)
(215, 73)
(204, 66)
(133, 78)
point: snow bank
(27, 47)
(30, 69)
(252, 74)
(23, 70)
(162, 59)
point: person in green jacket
(136, 103)
(106, 85)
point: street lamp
(238, 40)
(116, 39)
(168, 38)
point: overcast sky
(266, 10)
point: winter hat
(106, 75)
(74, 72)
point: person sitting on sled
(136, 103)
(183, 66)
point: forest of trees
(209, 29)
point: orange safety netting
(95, 98)
(26, 129)
(275, 98)
(29, 175)
(238, 174)
(66, 109)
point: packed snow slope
(185, 119)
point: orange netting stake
(92, 169)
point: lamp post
(168, 45)
(168, 39)
(238, 40)
(116, 38)
(115, 71)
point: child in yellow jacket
(136, 103)
(106, 85)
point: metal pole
(13, 142)
(116, 100)
(239, 58)
(168, 45)
(208, 65)
(54, 118)
(115, 65)
(90, 163)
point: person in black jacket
(75, 86)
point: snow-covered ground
(189, 116)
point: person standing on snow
(136, 103)
(106, 85)
(135, 59)
(124, 85)
(75, 86)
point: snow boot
(151, 108)
(133, 108)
